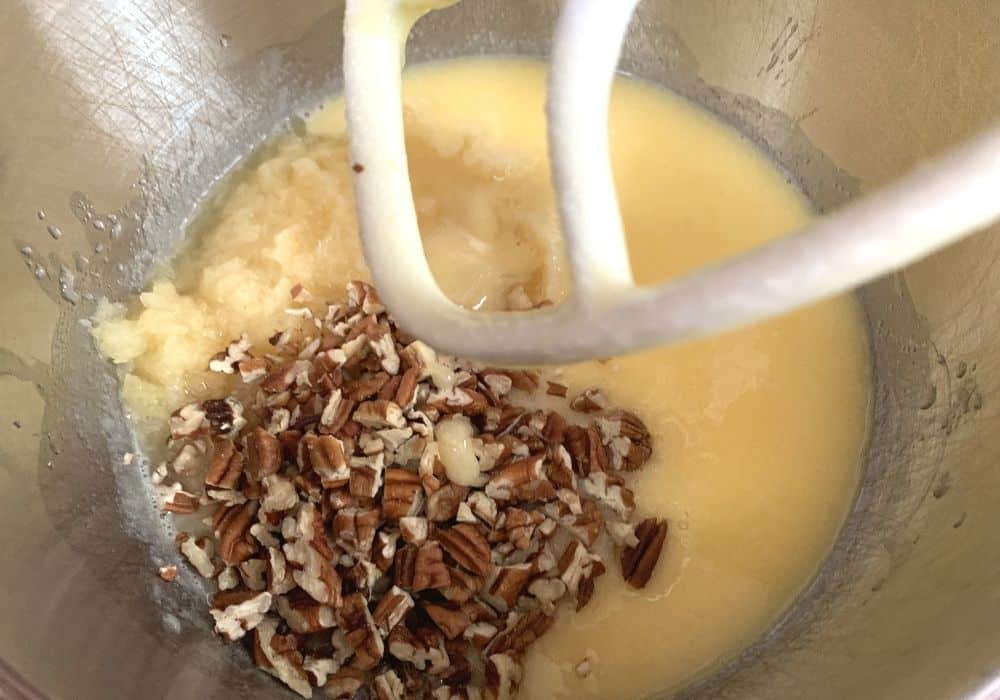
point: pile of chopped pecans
(337, 539)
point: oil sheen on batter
(758, 433)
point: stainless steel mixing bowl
(117, 116)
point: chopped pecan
(609, 492)
(303, 614)
(380, 414)
(521, 379)
(356, 620)
(548, 592)
(366, 386)
(420, 568)
(226, 466)
(586, 587)
(252, 572)
(639, 561)
(391, 609)
(480, 634)
(519, 526)
(443, 504)
(235, 620)
(503, 675)
(508, 584)
(344, 684)
(364, 577)
(451, 621)
(589, 400)
(423, 648)
(279, 494)
(522, 630)
(199, 553)
(253, 369)
(406, 393)
(228, 579)
(627, 438)
(463, 585)
(575, 565)
(327, 458)
(272, 655)
(181, 502)
(278, 380)
(354, 529)
(556, 389)
(479, 611)
(233, 533)
(483, 507)
(403, 495)
(413, 530)
(503, 483)
(366, 476)
(384, 550)
(467, 546)
(554, 430)
(168, 573)
(263, 453)
(388, 686)
(336, 413)
(361, 296)
(187, 421)
(560, 471)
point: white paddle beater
(606, 314)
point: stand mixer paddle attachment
(941, 202)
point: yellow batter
(758, 433)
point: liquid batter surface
(758, 433)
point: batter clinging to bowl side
(758, 433)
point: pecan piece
(235, 620)
(366, 476)
(638, 562)
(503, 675)
(589, 400)
(423, 648)
(556, 389)
(420, 568)
(467, 546)
(356, 621)
(451, 621)
(384, 550)
(508, 584)
(575, 565)
(380, 414)
(263, 453)
(402, 495)
(327, 458)
(199, 552)
(344, 684)
(303, 614)
(522, 630)
(388, 686)
(232, 530)
(443, 504)
(502, 484)
(226, 466)
(413, 530)
(181, 502)
(365, 386)
(406, 393)
(627, 438)
(354, 529)
(463, 585)
(391, 609)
